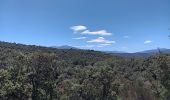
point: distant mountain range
(64, 47)
(160, 50)
(146, 53)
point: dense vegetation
(40, 73)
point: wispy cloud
(86, 47)
(79, 38)
(83, 30)
(147, 41)
(103, 45)
(92, 46)
(78, 28)
(101, 40)
(106, 44)
(126, 36)
(100, 32)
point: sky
(106, 25)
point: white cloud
(103, 45)
(83, 30)
(86, 47)
(79, 38)
(147, 41)
(100, 32)
(106, 44)
(126, 36)
(101, 40)
(93, 46)
(78, 28)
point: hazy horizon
(106, 25)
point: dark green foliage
(41, 73)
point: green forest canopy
(41, 73)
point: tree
(43, 75)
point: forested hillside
(41, 73)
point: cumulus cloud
(100, 32)
(101, 40)
(79, 38)
(83, 30)
(147, 41)
(78, 28)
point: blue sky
(114, 25)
